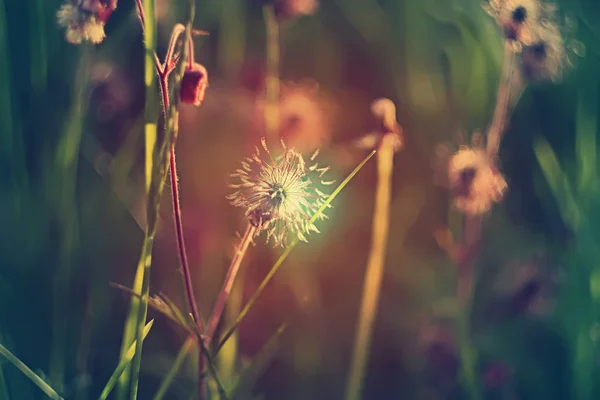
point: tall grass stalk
(272, 82)
(29, 373)
(66, 163)
(138, 308)
(114, 378)
(287, 252)
(375, 269)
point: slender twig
(375, 269)
(163, 71)
(498, 125)
(229, 280)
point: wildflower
(472, 178)
(305, 115)
(194, 84)
(85, 19)
(520, 19)
(280, 194)
(286, 9)
(546, 58)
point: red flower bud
(194, 84)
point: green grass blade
(136, 318)
(287, 252)
(585, 133)
(29, 373)
(170, 377)
(114, 378)
(558, 181)
(65, 194)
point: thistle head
(84, 19)
(280, 194)
(471, 176)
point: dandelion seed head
(472, 177)
(81, 25)
(280, 194)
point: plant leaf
(114, 378)
(30, 374)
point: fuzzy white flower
(546, 58)
(520, 19)
(280, 194)
(81, 25)
(471, 176)
(474, 181)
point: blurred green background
(72, 203)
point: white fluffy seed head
(80, 25)
(280, 194)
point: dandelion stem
(272, 81)
(234, 267)
(375, 269)
(286, 253)
(498, 125)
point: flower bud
(194, 84)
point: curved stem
(163, 74)
(234, 267)
(503, 97)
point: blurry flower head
(194, 84)
(304, 115)
(84, 19)
(549, 55)
(289, 9)
(471, 176)
(520, 19)
(280, 194)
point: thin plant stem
(287, 252)
(114, 378)
(471, 231)
(234, 267)
(163, 72)
(272, 81)
(66, 162)
(150, 138)
(374, 272)
(4, 352)
(499, 121)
